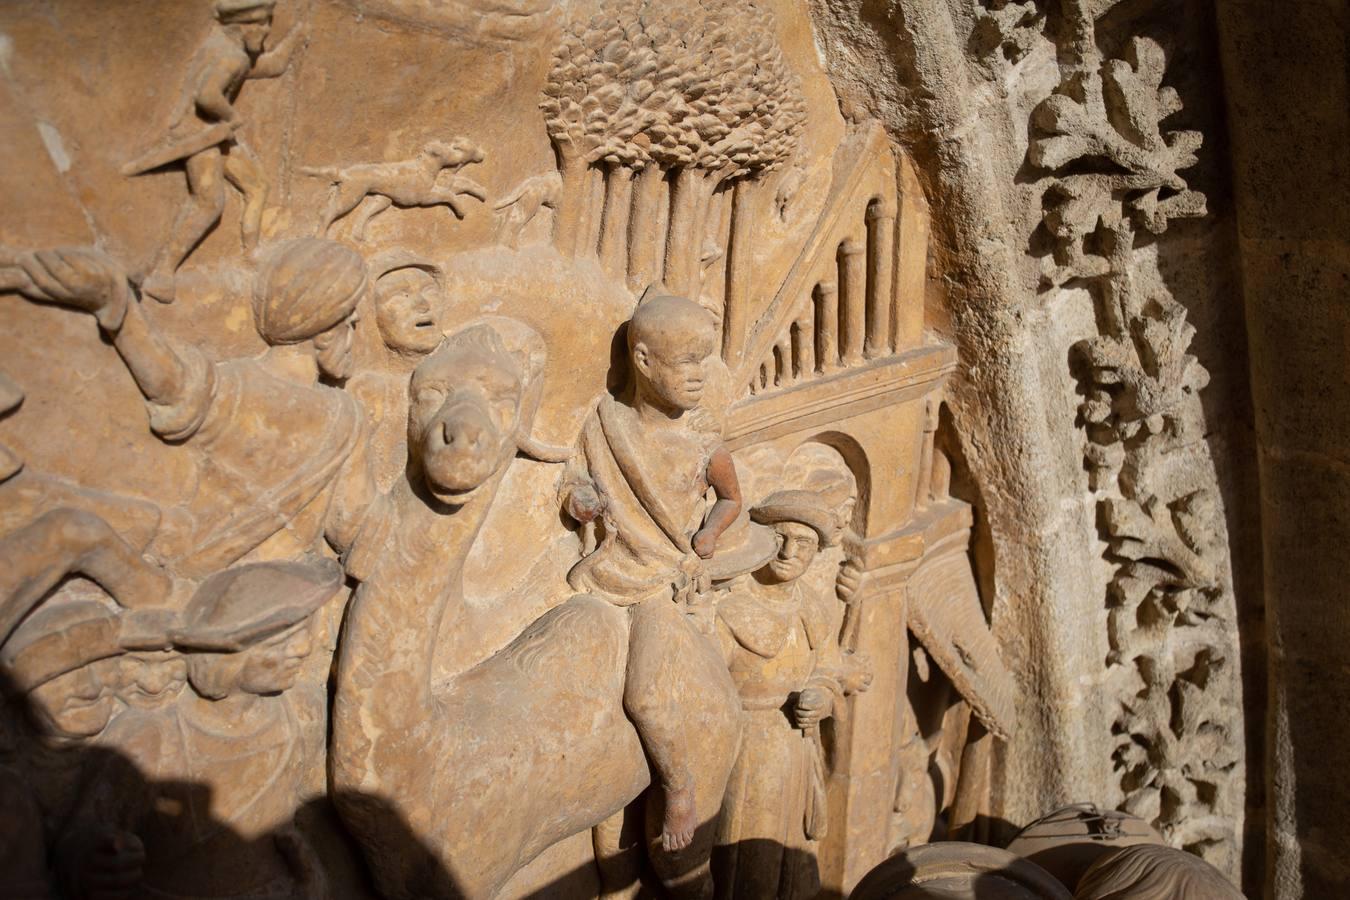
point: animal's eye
(430, 395)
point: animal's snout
(461, 448)
(467, 434)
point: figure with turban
(281, 459)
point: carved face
(463, 416)
(274, 665)
(77, 704)
(334, 349)
(150, 680)
(673, 364)
(797, 546)
(405, 311)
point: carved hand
(705, 543)
(813, 704)
(849, 581)
(113, 868)
(584, 504)
(857, 675)
(82, 278)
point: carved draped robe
(653, 505)
(281, 466)
(774, 812)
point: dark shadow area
(77, 816)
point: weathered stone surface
(588, 447)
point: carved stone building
(575, 448)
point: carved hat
(806, 507)
(64, 635)
(244, 605)
(305, 287)
(742, 548)
(388, 262)
(235, 12)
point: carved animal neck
(388, 649)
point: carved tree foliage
(701, 90)
(1116, 171)
(704, 86)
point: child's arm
(722, 479)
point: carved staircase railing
(854, 295)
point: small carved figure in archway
(780, 641)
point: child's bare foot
(681, 819)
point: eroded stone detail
(1172, 628)
(352, 408)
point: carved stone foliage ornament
(544, 491)
(1115, 182)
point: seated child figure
(642, 473)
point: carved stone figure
(217, 770)
(411, 182)
(63, 667)
(315, 479)
(643, 469)
(780, 640)
(407, 294)
(204, 133)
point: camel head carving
(472, 404)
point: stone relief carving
(759, 528)
(704, 96)
(1115, 169)
(781, 643)
(412, 182)
(204, 133)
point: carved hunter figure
(204, 134)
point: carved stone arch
(854, 457)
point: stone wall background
(957, 84)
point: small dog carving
(405, 183)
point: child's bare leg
(654, 701)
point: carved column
(827, 325)
(736, 314)
(804, 345)
(853, 299)
(911, 255)
(880, 276)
